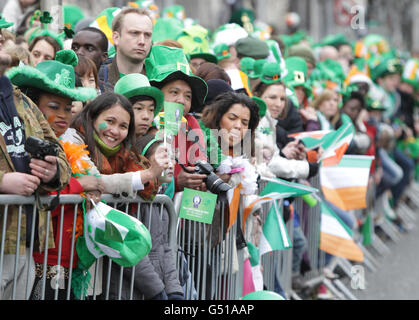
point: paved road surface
(398, 275)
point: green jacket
(35, 125)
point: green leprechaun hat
(297, 74)
(166, 29)
(222, 51)
(136, 84)
(195, 43)
(257, 68)
(387, 64)
(53, 76)
(165, 64)
(247, 65)
(271, 73)
(4, 24)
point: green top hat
(165, 64)
(4, 24)
(247, 65)
(136, 84)
(53, 76)
(297, 74)
(167, 29)
(262, 106)
(271, 73)
(222, 51)
(257, 68)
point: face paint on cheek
(51, 118)
(103, 126)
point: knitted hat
(165, 64)
(215, 88)
(54, 76)
(303, 51)
(252, 47)
(136, 84)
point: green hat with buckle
(4, 24)
(136, 84)
(53, 76)
(165, 64)
(297, 74)
(271, 73)
(222, 51)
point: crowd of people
(98, 89)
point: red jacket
(74, 187)
(185, 147)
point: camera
(213, 182)
(39, 148)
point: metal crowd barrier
(23, 293)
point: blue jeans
(407, 165)
(299, 245)
(392, 173)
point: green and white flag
(274, 235)
(285, 188)
(110, 232)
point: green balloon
(263, 295)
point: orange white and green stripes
(345, 184)
(336, 237)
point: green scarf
(107, 151)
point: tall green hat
(271, 73)
(297, 74)
(243, 17)
(136, 84)
(257, 68)
(4, 24)
(222, 51)
(195, 43)
(53, 76)
(247, 65)
(165, 64)
(167, 29)
(72, 15)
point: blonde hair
(326, 94)
(117, 22)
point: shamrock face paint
(102, 126)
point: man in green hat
(168, 69)
(132, 32)
(147, 101)
(20, 118)
(296, 79)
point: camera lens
(216, 185)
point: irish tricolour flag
(274, 235)
(312, 139)
(345, 184)
(335, 144)
(336, 237)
